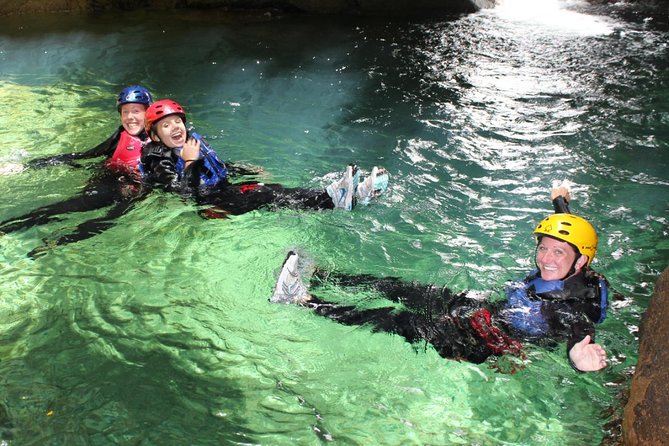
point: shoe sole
(284, 292)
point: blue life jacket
(524, 312)
(213, 170)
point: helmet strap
(572, 270)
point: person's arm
(583, 353)
(159, 166)
(561, 196)
(190, 153)
(193, 164)
(105, 148)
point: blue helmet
(134, 95)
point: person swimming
(562, 299)
(178, 160)
(116, 185)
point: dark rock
(356, 7)
(646, 416)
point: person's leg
(89, 228)
(427, 299)
(421, 297)
(458, 326)
(452, 336)
(300, 198)
(239, 199)
(99, 193)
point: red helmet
(158, 110)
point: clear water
(158, 331)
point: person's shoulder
(579, 280)
(593, 277)
(585, 285)
(143, 136)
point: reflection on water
(553, 16)
(158, 330)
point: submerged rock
(646, 418)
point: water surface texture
(158, 331)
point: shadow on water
(394, 79)
(142, 387)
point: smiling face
(171, 130)
(132, 118)
(555, 258)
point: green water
(158, 331)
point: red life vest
(126, 156)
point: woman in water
(116, 185)
(182, 161)
(562, 299)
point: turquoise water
(158, 331)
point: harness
(125, 158)
(212, 171)
(525, 301)
(524, 313)
(495, 339)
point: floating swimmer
(115, 186)
(181, 161)
(562, 299)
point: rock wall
(368, 7)
(646, 416)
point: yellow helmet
(572, 229)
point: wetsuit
(116, 185)
(207, 180)
(464, 328)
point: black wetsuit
(117, 189)
(107, 188)
(159, 164)
(464, 328)
(460, 327)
